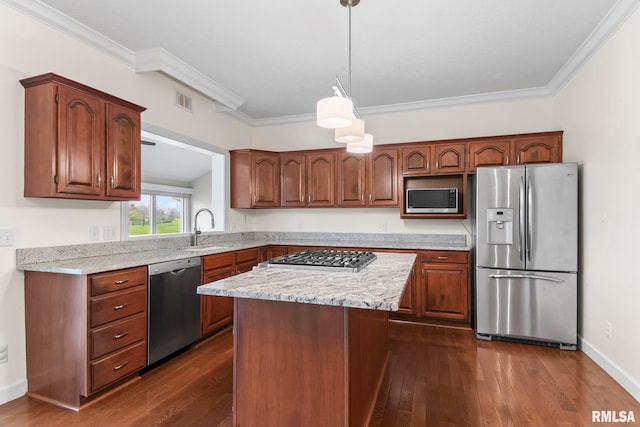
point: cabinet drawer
(118, 305)
(247, 255)
(212, 276)
(212, 262)
(117, 335)
(451, 257)
(117, 366)
(117, 280)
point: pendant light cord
(350, 97)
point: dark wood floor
(437, 377)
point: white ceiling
(271, 61)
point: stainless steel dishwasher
(173, 307)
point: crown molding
(143, 61)
(161, 60)
(228, 102)
(603, 31)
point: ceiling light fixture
(339, 113)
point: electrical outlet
(382, 226)
(94, 233)
(6, 236)
(4, 353)
(608, 329)
(109, 232)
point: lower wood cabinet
(443, 289)
(217, 312)
(84, 332)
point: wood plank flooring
(437, 376)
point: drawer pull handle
(120, 307)
(122, 335)
(443, 257)
(121, 282)
(117, 368)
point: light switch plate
(6, 236)
(94, 233)
(109, 232)
(4, 353)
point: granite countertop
(378, 286)
(98, 258)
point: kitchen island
(310, 347)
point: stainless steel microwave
(431, 200)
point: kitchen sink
(203, 248)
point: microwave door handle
(521, 196)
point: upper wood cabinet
(320, 179)
(293, 176)
(416, 160)
(351, 179)
(367, 180)
(382, 177)
(449, 158)
(489, 153)
(255, 179)
(538, 149)
(79, 142)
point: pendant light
(335, 112)
(364, 146)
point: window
(179, 176)
(158, 213)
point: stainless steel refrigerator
(527, 253)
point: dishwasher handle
(178, 272)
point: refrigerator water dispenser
(500, 226)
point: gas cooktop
(328, 259)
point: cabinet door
(444, 291)
(350, 179)
(123, 152)
(543, 149)
(292, 180)
(449, 158)
(215, 312)
(383, 178)
(320, 180)
(265, 180)
(489, 153)
(416, 160)
(81, 143)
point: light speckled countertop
(378, 286)
(98, 258)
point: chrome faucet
(196, 230)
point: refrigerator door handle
(525, 276)
(521, 212)
(529, 218)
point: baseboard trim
(610, 367)
(13, 391)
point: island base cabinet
(306, 364)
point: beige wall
(600, 112)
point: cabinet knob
(443, 257)
(99, 180)
(121, 306)
(122, 335)
(121, 282)
(113, 182)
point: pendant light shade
(334, 112)
(364, 146)
(353, 133)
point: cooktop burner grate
(330, 259)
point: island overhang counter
(311, 346)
